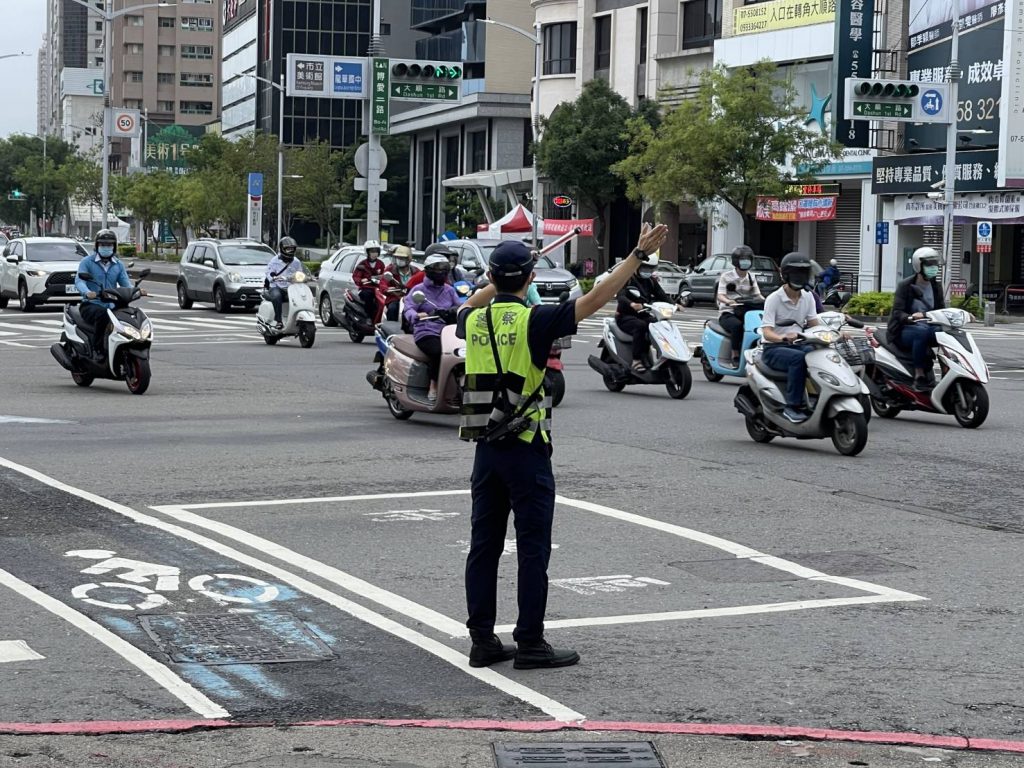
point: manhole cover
(577, 753)
(238, 638)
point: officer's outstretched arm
(651, 239)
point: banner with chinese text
(797, 209)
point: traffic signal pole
(951, 135)
(373, 155)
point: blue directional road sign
(348, 77)
(255, 184)
(881, 232)
(931, 102)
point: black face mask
(438, 278)
(287, 256)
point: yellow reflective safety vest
(489, 399)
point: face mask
(646, 273)
(105, 251)
(744, 264)
(438, 278)
(402, 263)
(930, 272)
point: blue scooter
(715, 350)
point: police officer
(506, 413)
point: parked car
(551, 280)
(335, 277)
(702, 283)
(39, 270)
(224, 272)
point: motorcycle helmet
(106, 244)
(437, 268)
(287, 247)
(372, 248)
(926, 262)
(649, 266)
(743, 257)
(796, 270)
(833, 263)
(402, 256)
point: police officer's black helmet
(742, 252)
(107, 237)
(796, 268)
(439, 249)
(511, 259)
(287, 246)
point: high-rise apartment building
(43, 92)
(166, 62)
(74, 39)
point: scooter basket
(856, 351)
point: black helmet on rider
(743, 257)
(441, 249)
(287, 247)
(796, 270)
(106, 244)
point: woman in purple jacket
(436, 311)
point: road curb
(765, 732)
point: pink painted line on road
(767, 732)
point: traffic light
(16, 194)
(425, 71)
(892, 89)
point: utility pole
(373, 163)
(951, 138)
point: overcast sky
(24, 22)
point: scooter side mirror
(634, 294)
(418, 298)
(563, 297)
(144, 274)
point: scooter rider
(628, 313)
(367, 269)
(504, 412)
(782, 351)
(441, 299)
(279, 273)
(104, 271)
(828, 276)
(734, 286)
(440, 249)
(914, 297)
(401, 271)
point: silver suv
(224, 272)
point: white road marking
(160, 674)
(312, 500)
(17, 650)
(30, 420)
(549, 706)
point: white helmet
(435, 258)
(648, 265)
(371, 245)
(922, 256)
(833, 263)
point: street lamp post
(108, 15)
(535, 38)
(951, 139)
(341, 220)
(280, 144)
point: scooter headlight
(147, 329)
(828, 378)
(665, 313)
(130, 332)
(828, 336)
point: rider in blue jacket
(96, 273)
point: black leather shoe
(490, 651)
(542, 656)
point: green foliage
(586, 283)
(126, 251)
(463, 212)
(313, 197)
(46, 185)
(741, 136)
(872, 303)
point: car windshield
(545, 263)
(54, 252)
(246, 255)
(764, 264)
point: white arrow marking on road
(17, 650)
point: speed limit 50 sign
(124, 123)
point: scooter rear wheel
(849, 433)
(883, 410)
(974, 415)
(709, 372)
(396, 408)
(356, 337)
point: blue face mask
(105, 251)
(930, 272)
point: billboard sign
(782, 14)
(1011, 102)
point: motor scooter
(354, 317)
(667, 359)
(715, 349)
(834, 394)
(835, 295)
(960, 387)
(403, 378)
(298, 314)
(129, 340)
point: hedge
(879, 304)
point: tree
(582, 140)
(463, 212)
(742, 135)
(313, 197)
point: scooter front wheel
(709, 372)
(757, 431)
(356, 337)
(680, 381)
(554, 386)
(883, 409)
(137, 375)
(307, 334)
(849, 433)
(970, 404)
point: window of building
(641, 53)
(133, 103)
(702, 22)
(196, 107)
(133, 77)
(197, 80)
(165, 22)
(99, 61)
(98, 26)
(560, 48)
(98, 43)
(133, 48)
(385, 29)
(165, 77)
(451, 156)
(132, 20)
(427, 232)
(165, 50)
(477, 151)
(197, 51)
(602, 45)
(196, 24)
(165, 106)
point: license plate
(70, 289)
(763, 279)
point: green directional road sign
(380, 105)
(424, 92)
(882, 109)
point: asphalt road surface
(257, 540)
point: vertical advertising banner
(254, 209)
(1011, 104)
(852, 58)
(380, 106)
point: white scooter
(834, 393)
(297, 314)
(669, 355)
(959, 390)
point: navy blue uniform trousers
(515, 476)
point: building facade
(74, 39)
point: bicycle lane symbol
(143, 584)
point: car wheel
(25, 304)
(220, 300)
(183, 300)
(327, 312)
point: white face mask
(744, 264)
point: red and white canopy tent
(518, 224)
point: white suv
(37, 270)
